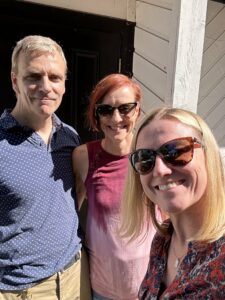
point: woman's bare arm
(80, 169)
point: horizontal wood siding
(148, 17)
(151, 76)
(211, 104)
(161, 3)
(152, 48)
(151, 100)
(150, 63)
(122, 9)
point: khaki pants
(71, 284)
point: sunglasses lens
(178, 152)
(107, 110)
(125, 109)
(104, 110)
(143, 160)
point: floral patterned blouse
(201, 274)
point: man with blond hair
(40, 253)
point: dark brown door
(94, 47)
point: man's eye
(55, 78)
(33, 77)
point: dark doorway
(94, 47)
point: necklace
(178, 259)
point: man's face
(39, 84)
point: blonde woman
(176, 164)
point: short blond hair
(135, 201)
(38, 44)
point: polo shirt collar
(9, 122)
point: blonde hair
(135, 202)
(35, 44)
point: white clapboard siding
(151, 44)
(215, 28)
(154, 49)
(219, 133)
(154, 19)
(161, 3)
(151, 100)
(214, 52)
(122, 9)
(212, 10)
(211, 79)
(216, 116)
(211, 105)
(208, 104)
(151, 76)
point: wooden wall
(157, 65)
(150, 61)
(158, 24)
(122, 9)
(211, 104)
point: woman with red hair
(117, 265)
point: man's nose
(45, 84)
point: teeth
(167, 186)
(116, 128)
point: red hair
(104, 86)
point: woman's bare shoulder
(80, 151)
(80, 160)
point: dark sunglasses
(106, 110)
(178, 152)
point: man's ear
(14, 82)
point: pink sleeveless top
(117, 268)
